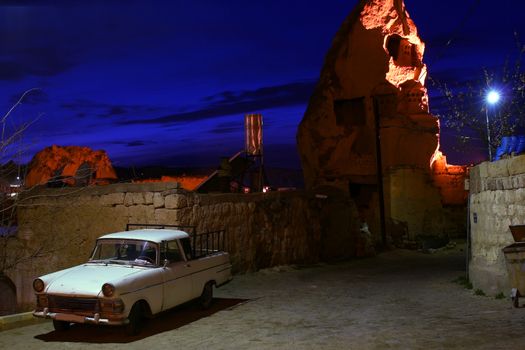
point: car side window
(173, 253)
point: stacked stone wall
(497, 200)
(263, 230)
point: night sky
(168, 82)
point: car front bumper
(95, 319)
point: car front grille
(72, 304)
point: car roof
(153, 235)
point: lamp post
(492, 98)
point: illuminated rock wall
(264, 230)
(408, 188)
(497, 200)
(75, 165)
(374, 71)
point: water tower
(253, 149)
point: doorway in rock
(365, 197)
(7, 296)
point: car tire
(136, 317)
(61, 326)
(206, 297)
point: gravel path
(398, 300)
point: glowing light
(493, 97)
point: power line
(470, 12)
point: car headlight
(108, 289)
(38, 285)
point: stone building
(497, 201)
(372, 92)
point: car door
(176, 276)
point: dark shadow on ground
(166, 321)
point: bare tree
(465, 109)
(10, 148)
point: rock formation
(71, 165)
(374, 73)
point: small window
(402, 51)
(413, 98)
(173, 252)
(350, 112)
(392, 45)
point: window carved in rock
(350, 113)
(413, 98)
(402, 51)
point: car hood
(87, 279)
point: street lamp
(492, 98)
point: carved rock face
(373, 70)
(74, 165)
(374, 74)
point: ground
(397, 300)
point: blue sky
(168, 82)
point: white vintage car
(132, 275)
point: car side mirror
(166, 262)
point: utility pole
(379, 166)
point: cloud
(36, 61)
(83, 107)
(117, 110)
(134, 143)
(231, 103)
(11, 71)
(276, 155)
(18, 3)
(227, 128)
(81, 104)
(56, 3)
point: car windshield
(125, 251)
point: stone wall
(497, 200)
(264, 229)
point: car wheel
(207, 296)
(61, 325)
(135, 318)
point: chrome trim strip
(226, 268)
(146, 287)
(174, 279)
(75, 318)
